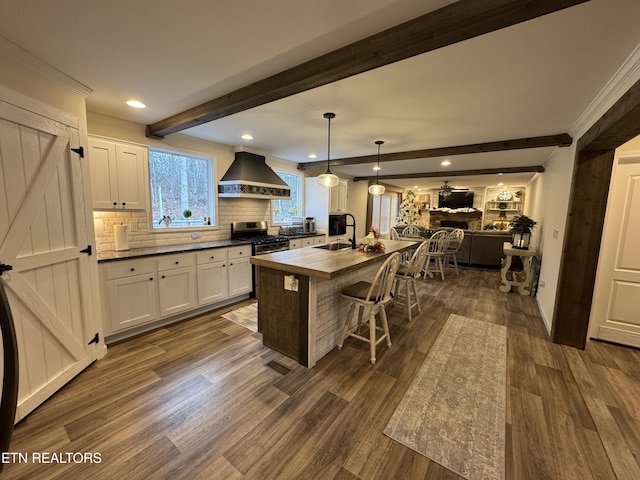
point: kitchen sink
(334, 246)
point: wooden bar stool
(408, 274)
(438, 244)
(369, 299)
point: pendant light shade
(377, 189)
(328, 179)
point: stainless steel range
(261, 243)
(256, 233)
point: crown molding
(625, 77)
(41, 67)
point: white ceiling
(531, 79)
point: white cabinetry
(240, 278)
(133, 298)
(177, 283)
(338, 198)
(306, 242)
(320, 202)
(213, 280)
(162, 287)
(118, 175)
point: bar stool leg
(385, 325)
(415, 293)
(372, 334)
(345, 328)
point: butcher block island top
(300, 309)
(326, 264)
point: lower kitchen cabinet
(240, 271)
(178, 291)
(133, 294)
(144, 290)
(213, 276)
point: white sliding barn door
(615, 314)
(43, 228)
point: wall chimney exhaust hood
(250, 177)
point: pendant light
(328, 179)
(377, 189)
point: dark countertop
(165, 250)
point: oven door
(337, 225)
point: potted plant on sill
(520, 227)
(187, 214)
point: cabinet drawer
(178, 260)
(212, 255)
(239, 252)
(130, 268)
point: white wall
(552, 195)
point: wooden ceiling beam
(455, 173)
(561, 140)
(451, 24)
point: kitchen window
(283, 210)
(181, 184)
(385, 211)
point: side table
(511, 278)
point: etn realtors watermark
(51, 457)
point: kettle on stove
(310, 225)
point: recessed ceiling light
(312, 155)
(135, 104)
(445, 163)
(246, 136)
(500, 174)
(376, 167)
(501, 184)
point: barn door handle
(86, 250)
(79, 151)
(95, 339)
(5, 268)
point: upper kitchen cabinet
(320, 201)
(338, 198)
(118, 179)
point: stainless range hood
(250, 177)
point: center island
(300, 309)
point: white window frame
(299, 199)
(157, 227)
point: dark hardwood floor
(201, 400)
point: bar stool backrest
(393, 233)
(380, 290)
(416, 262)
(411, 230)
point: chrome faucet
(353, 225)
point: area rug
(246, 317)
(454, 411)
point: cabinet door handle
(133, 269)
(177, 262)
(231, 264)
(151, 278)
(124, 203)
(115, 204)
(212, 257)
(162, 276)
(223, 265)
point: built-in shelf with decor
(501, 206)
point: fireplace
(454, 224)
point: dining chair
(437, 246)
(455, 240)
(411, 230)
(367, 300)
(408, 274)
(393, 234)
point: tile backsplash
(141, 233)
